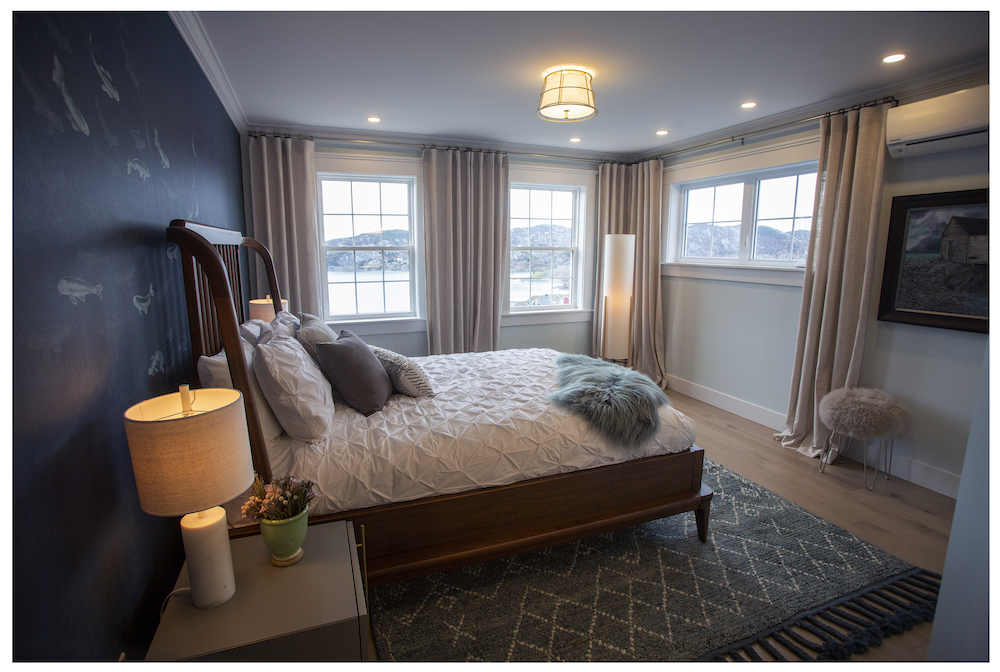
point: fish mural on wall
(156, 363)
(142, 302)
(41, 106)
(109, 135)
(74, 114)
(77, 289)
(156, 141)
(139, 167)
(108, 86)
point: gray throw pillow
(312, 331)
(355, 373)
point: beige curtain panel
(283, 198)
(466, 232)
(840, 263)
(629, 200)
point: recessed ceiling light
(374, 120)
(661, 132)
(574, 139)
(894, 58)
(748, 105)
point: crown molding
(193, 32)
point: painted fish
(41, 107)
(108, 86)
(142, 302)
(75, 289)
(139, 167)
(156, 363)
(75, 116)
(156, 141)
(109, 135)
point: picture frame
(936, 271)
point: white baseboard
(918, 473)
(744, 409)
(904, 468)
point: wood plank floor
(906, 520)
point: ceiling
(475, 77)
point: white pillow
(214, 372)
(285, 323)
(252, 330)
(406, 375)
(295, 387)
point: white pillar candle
(209, 558)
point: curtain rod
(741, 138)
(395, 143)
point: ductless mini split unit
(954, 121)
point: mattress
(490, 423)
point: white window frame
(544, 174)
(410, 249)
(748, 226)
(797, 148)
(576, 248)
(374, 166)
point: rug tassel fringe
(848, 626)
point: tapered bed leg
(701, 519)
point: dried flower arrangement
(280, 499)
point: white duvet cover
(490, 423)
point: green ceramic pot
(284, 537)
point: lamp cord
(167, 599)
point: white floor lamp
(618, 273)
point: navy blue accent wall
(116, 131)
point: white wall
(934, 371)
(731, 339)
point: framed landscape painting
(937, 262)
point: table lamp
(263, 309)
(190, 453)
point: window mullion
(747, 223)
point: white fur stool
(864, 414)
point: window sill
(398, 325)
(763, 275)
(526, 318)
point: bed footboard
(430, 535)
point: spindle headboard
(210, 256)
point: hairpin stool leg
(880, 456)
(824, 458)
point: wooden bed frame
(436, 533)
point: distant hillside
(770, 244)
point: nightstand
(312, 610)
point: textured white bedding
(489, 424)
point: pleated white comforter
(489, 424)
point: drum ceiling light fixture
(567, 94)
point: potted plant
(282, 509)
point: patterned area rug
(773, 581)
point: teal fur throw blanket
(621, 404)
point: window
(368, 235)
(762, 217)
(544, 247)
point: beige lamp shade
(263, 309)
(567, 95)
(189, 460)
(618, 272)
